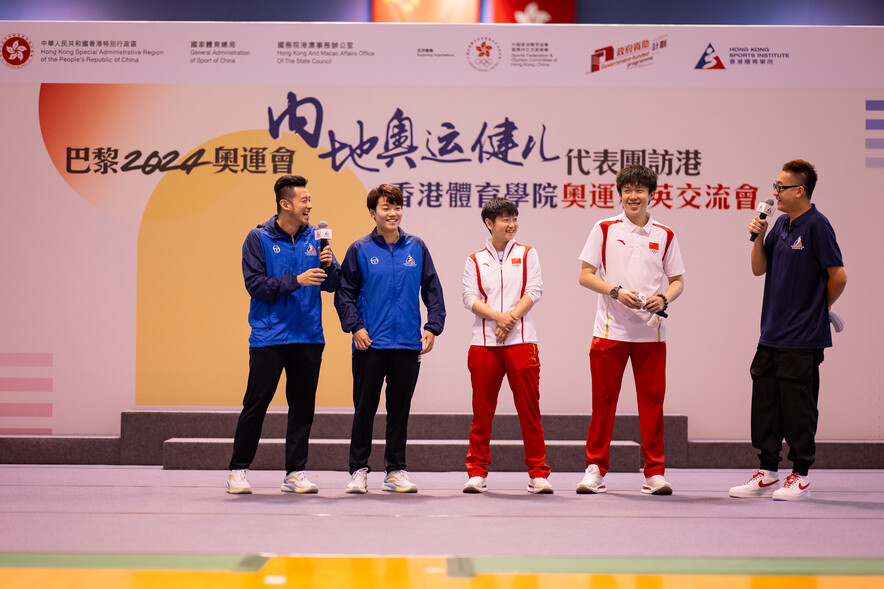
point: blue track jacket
(282, 311)
(381, 291)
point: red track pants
(607, 362)
(521, 364)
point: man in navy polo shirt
(804, 276)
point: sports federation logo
(654, 247)
(17, 51)
(709, 60)
(374, 261)
(410, 262)
(798, 245)
(484, 54)
(311, 251)
(276, 249)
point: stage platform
(67, 519)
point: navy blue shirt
(795, 311)
(381, 288)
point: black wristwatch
(615, 292)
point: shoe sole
(540, 491)
(664, 490)
(750, 494)
(474, 490)
(591, 491)
(802, 497)
(356, 491)
(239, 491)
(395, 490)
(309, 490)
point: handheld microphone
(323, 234)
(764, 209)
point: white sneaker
(237, 483)
(297, 482)
(539, 485)
(475, 485)
(795, 488)
(762, 483)
(593, 481)
(397, 481)
(656, 485)
(358, 482)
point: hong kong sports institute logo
(484, 54)
(709, 60)
(17, 51)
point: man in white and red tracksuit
(635, 266)
(501, 284)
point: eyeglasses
(778, 188)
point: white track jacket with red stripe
(501, 283)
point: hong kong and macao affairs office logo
(484, 54)
(17, 51)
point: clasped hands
(635, 300)
(505, 324)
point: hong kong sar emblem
(17, 51)
(484, 54)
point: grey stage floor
(95, 509)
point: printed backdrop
(138, 155)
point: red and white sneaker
(763, 483)
(795, 488)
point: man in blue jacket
(284, 271)
(383, 278)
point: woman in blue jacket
(383, 278)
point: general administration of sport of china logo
(17, 51)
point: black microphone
(323, 234)
(764, 209)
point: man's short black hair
(805, 171)
(499, 207)
(285, 185)
(637, 175)
(388, 191)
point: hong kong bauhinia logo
(709, 60)
(484, 54)
(17, 51)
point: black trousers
(301, 364)
(370, 367)
(785, 391)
